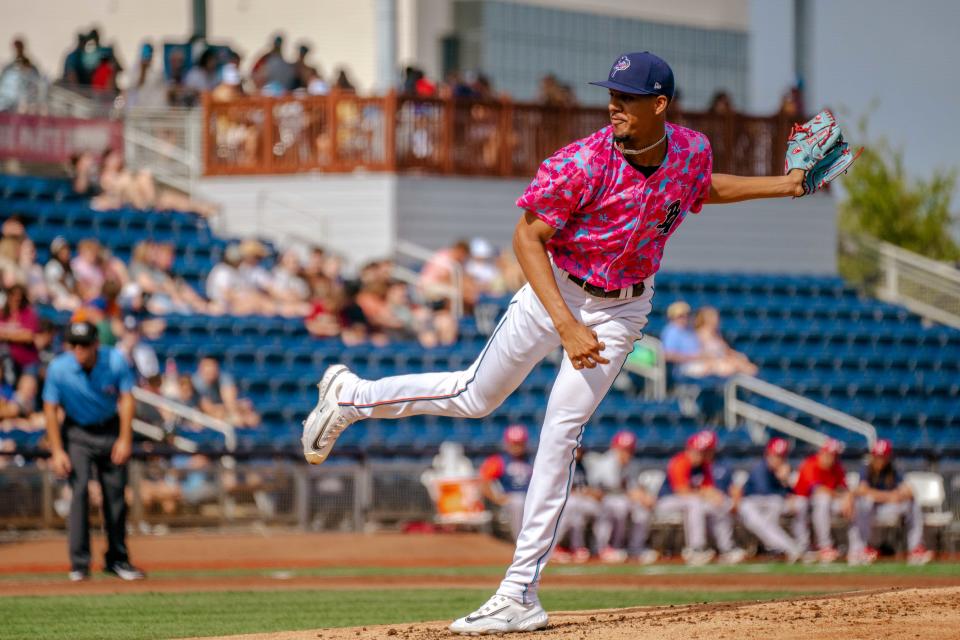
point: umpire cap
(81, 332)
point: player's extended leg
(800, 507)
(522, 338)
(574, 398)
(641, 517)
(720, 520)
(761, 516)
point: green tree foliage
(883, 202)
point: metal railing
(166, 141)
(190, 414)
(759, 419)
(926, 287)
(452, 292)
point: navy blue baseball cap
(640, 73)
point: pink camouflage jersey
(613, 223)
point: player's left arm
(726, 188)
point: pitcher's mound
(928, 614)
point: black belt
(632, 291)
(110, 425)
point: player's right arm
(530, 246)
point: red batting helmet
(702, 441)
(831, 445)
(777, 447)
(882, 449)
(624, 440)
(516, 434)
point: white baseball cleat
(734, 556)
(501, 615)
(697, 557)
(326, 422)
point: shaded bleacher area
(810, 334)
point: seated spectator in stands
(690, 489)
(151, 267)
(59, 277)
(203, 76)
(437, 278)
(355, 327)
(316, 85)
(821, 488)
(343, 83)
(122, 187)
(185, 392)
(32, 273)
(720, 359)
(149, 88)
(140, 356)
(680, 343)
(482, 265)
(9, 262)
(287, 286)
(230, 86)
(303, 72)
(87, 267)
(323, 319)
(105, 75)
(178, 95)
(19, 324)
(226, 289)
(218, 396)
(45, 341)
(554, 93)
(86, 178)
(274, 75)
(20, 401)
(884, 495)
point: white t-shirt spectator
(221, 280)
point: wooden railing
(343, 133)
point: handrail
(894, 274)
(264, 228)
(156, 433)
(734, 407)
(189, 413)
(657, 374)
(454, 292)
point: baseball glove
(818, 148)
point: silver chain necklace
(636, 152)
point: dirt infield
(931, 614)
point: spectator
(720, 104)
(122, 187)
(87, 268)
(343, 83)
(230, 86)
(883, 495)
(624, 503)
(506, 476)
(691, 491)
(203, 76)
(58, 274)
(32, 273)
(286, 283)
(228, 291)
(482, 265)
(178, 95)
(104, 78)
(553, 93)
(719, 359)
(186, 392)
(151, 267)
(86, 180)
(680, 343)
(20, 81)
(139, 355)
(821, 488)
(316, 85)
(74, 71)
(149, 89)
(18, 328)
(19, 401)
(303, 73)
(276, 75)
(322, 319)
(438, 276)
(765, 498)
(217, 393)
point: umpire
(92, 384)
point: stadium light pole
(386, 30)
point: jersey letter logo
(673, 212)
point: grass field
(184, 614)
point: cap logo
(622, 65)
(656, 85)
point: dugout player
(91, 384)
(882, 494)
(625, 507)
(690, 489)
(582, 508)
(821, 489)
(591, 237)
(765, 497)
(506, 476)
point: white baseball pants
(761, 516)
(523, 337)
(618, 514)
(579, 511)
(867, 512)
(697, 514)
(820, 508)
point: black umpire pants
(89, 451)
